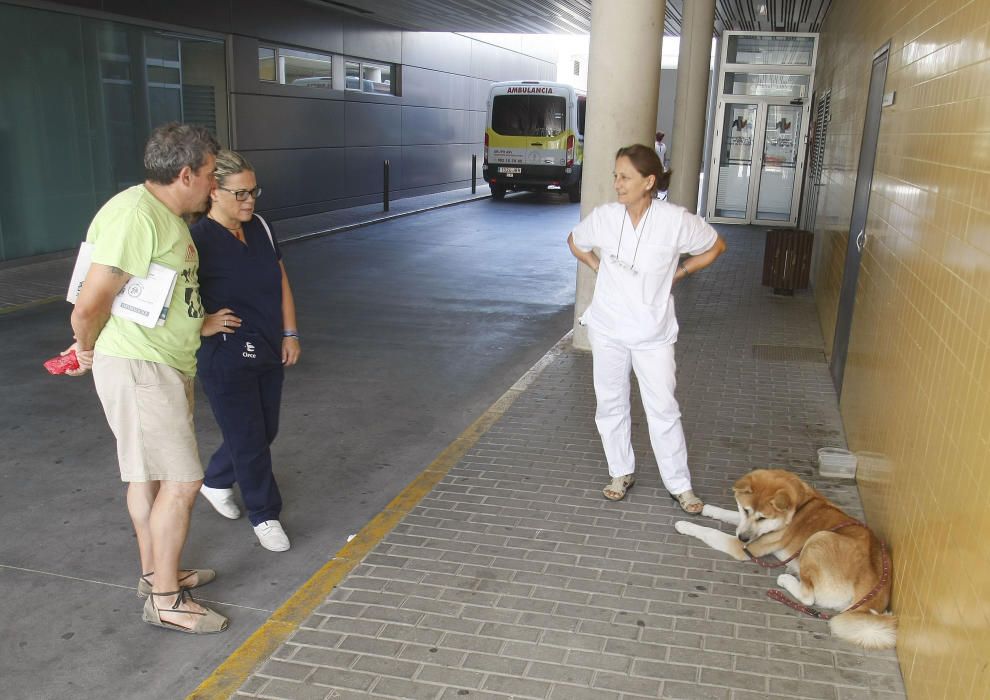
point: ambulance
(534, 137)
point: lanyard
(631, 266)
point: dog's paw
(786, 580)
(710, 511)
(684, 527)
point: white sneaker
(222, 501)
(272, 536)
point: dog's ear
(743, 486)
(782, 501)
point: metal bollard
(385, 186)
(474, 174)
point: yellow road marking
(232, 673)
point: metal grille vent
(787, 353)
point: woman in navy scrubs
(249, 336)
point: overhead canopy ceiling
(574, 16)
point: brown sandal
(689, 503)
(617, 487)
(205, 576)
(210, 622)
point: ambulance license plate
(510, 171)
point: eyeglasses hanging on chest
(630, 266)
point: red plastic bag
(60, 364)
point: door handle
(861, 241)
(536, 144)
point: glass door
(734, 162)
(781, 128)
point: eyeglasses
(628, 267)
(242, 195)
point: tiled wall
(916, 397)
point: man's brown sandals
(208, 622)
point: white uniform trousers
(655, 369)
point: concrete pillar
(688, 140)
(623, 88)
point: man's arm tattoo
(117, 271)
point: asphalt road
(410, 330)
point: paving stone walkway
(515, 578)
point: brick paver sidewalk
(515, 578)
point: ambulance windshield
(528, 115)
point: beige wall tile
(915, 398)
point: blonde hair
(231, 163)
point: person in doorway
(249, 336)
(144, 376)
(631, 320)
(661, 148)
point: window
(770, 50)
(528, 115)
(304, 68)
(767, 84)
(294, 67)
(94, 82)
(266, 64)
(368, 77)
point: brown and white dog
(840, 560)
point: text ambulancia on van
(534, 138)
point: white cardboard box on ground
(836, 463)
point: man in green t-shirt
(144, 376)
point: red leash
(780, 596)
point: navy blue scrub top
(246, 279)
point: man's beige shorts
(149, 407)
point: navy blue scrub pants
(246, 407)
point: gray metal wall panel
(364, 168)
(297, 177)
(484, 60)
(215, 16)
(428, 125)
(437, 50)
(479, 94)
(285, 122)
(478, 124)
(371, 124)
(291, 22)
(372, 41)
(430, 88)
(428, 165)
(530, 67)
(243, 70)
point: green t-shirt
(131, 231)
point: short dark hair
(647, 162)
(173, 146)
(660, 135)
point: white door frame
(756, 162)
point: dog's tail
(866, 628)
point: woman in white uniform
(631, 321)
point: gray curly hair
(173, 146)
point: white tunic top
(632, 301)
